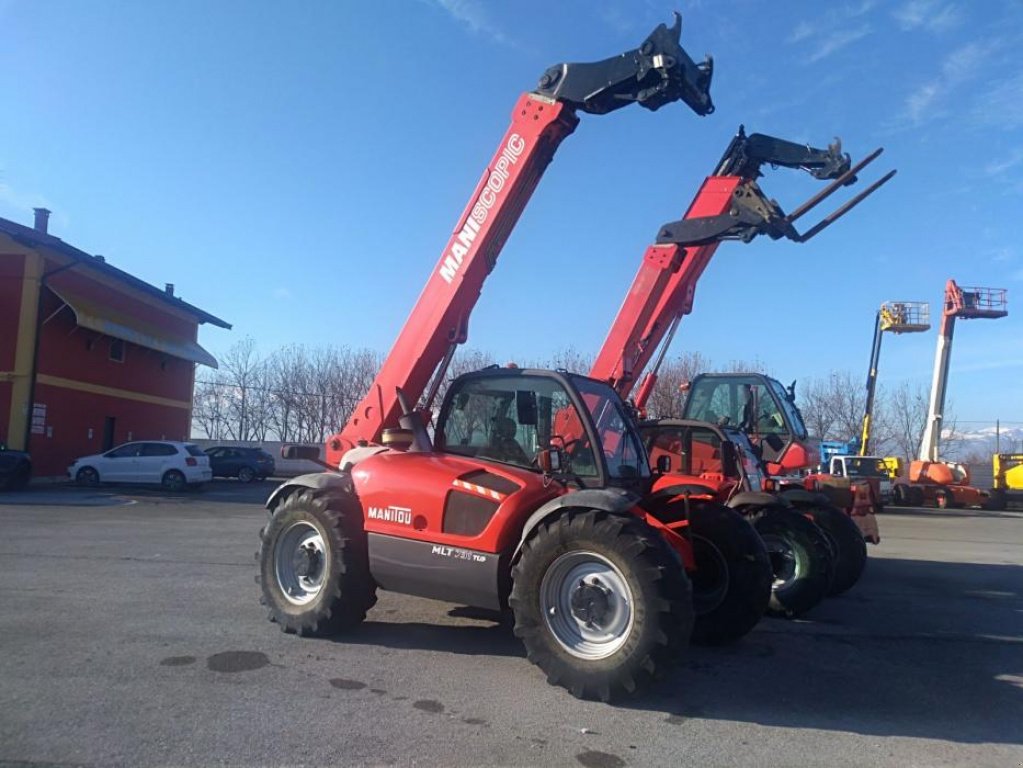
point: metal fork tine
(844, 209)
(833, 186)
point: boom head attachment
(969, 303)
(657, 73)
(746, 154)
(905, 316)
(752, 213)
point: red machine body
(440, 317)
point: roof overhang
(96, 317)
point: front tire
(246, 475)
(88, 477)
(732, 581)
(19, 480)
(848, 544)
(173, 480)
(600, 603)
(314, 565)
(801, 561)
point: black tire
(19, 480)
(246, 474)
(624, 551)
(801, 561)
(997, 501)
(346, 589)
(848, 544)
(87, 476)
(173, 480)
(899, 496)
(732, 581)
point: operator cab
(757, 405)
(576, 427)
(699, 449)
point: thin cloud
(833, 31)
(836, 41)
(1001, 105)
(472, 14)
(958, 67)
(929, 15)
(1000, 166)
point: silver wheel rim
(587, 605)
(174, 481)
(787, 562)
(300, 559)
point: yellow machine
(1007, 470)
(894, 466)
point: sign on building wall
(39, 418)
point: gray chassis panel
(437, 571)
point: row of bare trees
(297, 394)
(294, 394)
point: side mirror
(549, 460)
(663, 464)
(308, 452)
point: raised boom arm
(657, 73)
(728, 206)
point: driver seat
(503, 446)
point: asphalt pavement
(132, 635)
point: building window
(117, 350)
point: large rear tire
(314, 565)
(600, 603)
(732, 581)
(848, 544)
(801, 561)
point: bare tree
(908, 418)
(666, 399)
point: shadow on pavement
(919, 648)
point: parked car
(247, 464)
(15, 469)
(172, 464)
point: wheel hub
(591, 602)
(307, 562)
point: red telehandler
(497, 509)
(815, 549)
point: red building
(89, 355)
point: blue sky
(296, 168)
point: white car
(168, 463)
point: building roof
(33, 238)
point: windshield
(795, 418)
(510, 419)
(865, 467)
(623, 450)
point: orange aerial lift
(931, 480)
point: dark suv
(247, 464)
(15, 469)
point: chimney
(169, 289)
(42, 219)
(100, 257)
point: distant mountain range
(983, 441)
